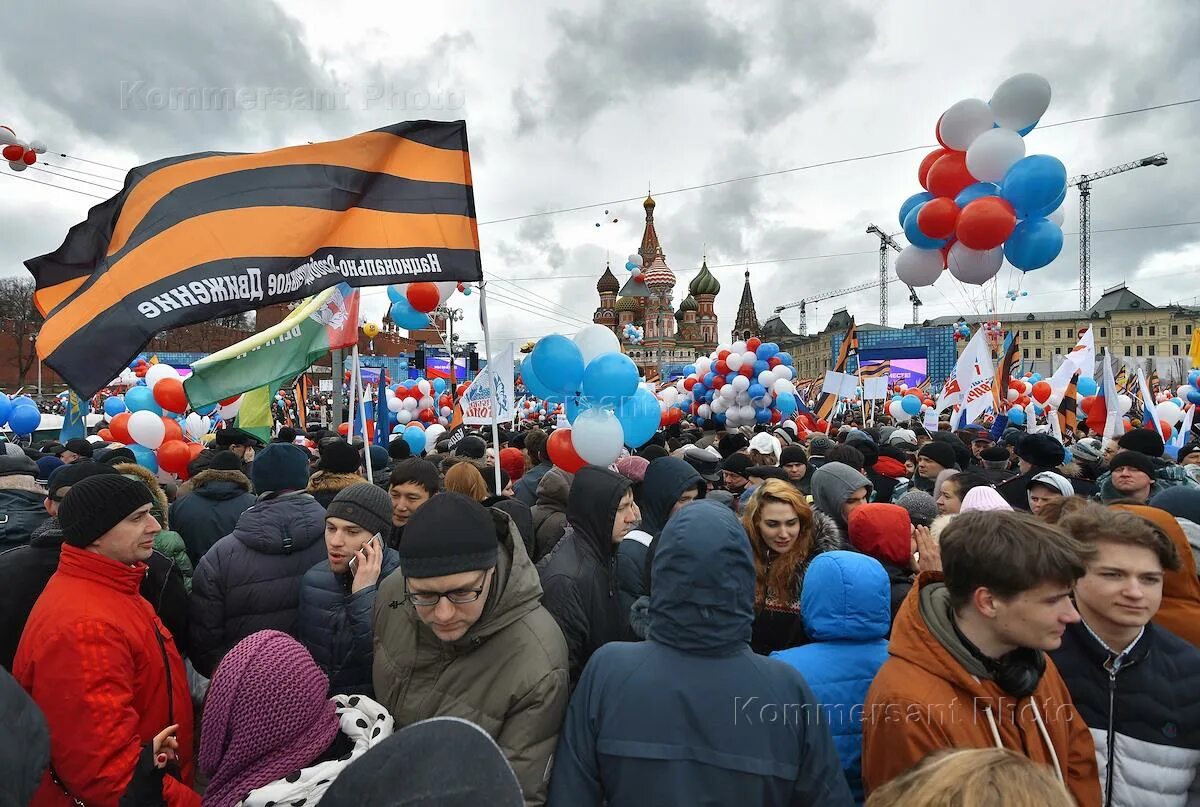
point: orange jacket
(1180, 609)
(94, 657)
(923, 700)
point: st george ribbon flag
(199, 236)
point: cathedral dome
(689, 304)
(659, 277)
(704, 282)
(607, 284)
(626, 304)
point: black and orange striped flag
(1008, 368)
(1068, 409)
(204, 235)
(880, 369)
(848, 348)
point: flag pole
(362, 415)
(487, 345)
(350, 398)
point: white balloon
(1182, 391)
(634, 258)
(728, 392)
(740, 383)
(1057, 216)
(1124, 403)
(424, 386)
(704, 411)
(194, 426)
(37, 146)
(993, 153)
(432, 435)
(974, 266)
(146, 428)
(767, 378)
(446, 288)
(734, 360)
(784, 372)
(679, 387)
(426, 402)
(896, 410)
(737, 347)
(229, 411)
(597, 437)
(403, 416)
(1020, 101)
(446, 411)
(963, 122)
(158, 372)
(1168, 412)
(747, 413)
(783, 385)
(17, 165)
(919, 267)
(596, 340)
(7, 138)
(1013, 395)
(742, 398)
(394, 404)
(703, 365)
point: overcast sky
(587, 102)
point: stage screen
(907, 364)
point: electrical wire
(74, 179)
(51, 185)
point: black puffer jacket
(579, 576)
(211, 510)
(520, 514)
(550, 512)
(250, 580)
(24, 572)
(24, 743)
(1144, 717)
(21, 512)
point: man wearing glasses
(461, 632)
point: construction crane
(1084, 183)
(886, 242)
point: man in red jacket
(100, 664)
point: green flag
(254, 415)
(326, 321)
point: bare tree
(243, 321)
(20, 320)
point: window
(1174, 330)
(1025, 335)
(1103, 335)
(1057, 352)
(1152, 329)
(1128, 331)
(1025, 353)
(1037, 353)
(1174, 351)
(1127, 350)
(1037, 335)
(1058, 333)
(1139, 350)
(1188, 331)
(1139, 331)
(1150, 350)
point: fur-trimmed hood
(329, 482)
(160, 508)
(235, 477)
(827, 535)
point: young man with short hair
(411, 484)
(461, 632)
(1131, 680)
(967, 663)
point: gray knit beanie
(366, 505)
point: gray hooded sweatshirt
(832, 485)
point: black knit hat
(79, 446)
(95, 505)
(1143, 441)
(792, 454)
(471, 446)
(1041, 451)
(941, 453)
(225, 461)
(994, 454)
(1133, 459)
(365, 505)
(738, 463)
(450, 534)
(339, 457)
(279, 466)
(67, 475)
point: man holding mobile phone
(337, 596)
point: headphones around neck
(1018, 672)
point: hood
(883, 531)
(703, 596)
(220, 484)
(329, 482)
(281, 524)
(592, 505)
(846, 597)
(924, 635)
(553, 490)
(160, 507)
(516, 590)
(890, 466)
(832, 484)
(666, 480)
(47, 534)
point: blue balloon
(785, 402)
(1034, 184)
(558, 363)
(915, 200)
(574, 405)
(784, 358)
(762, 415)
(1194, 378)
(708, 396)
(145, 457)
(415, 437)
(976, 191)
(914, 235)
(756, 391)
(139, 399)
(1086, 386)
(760, 366)
(24, 419)
(689, 370)
(609, 377)
(719, 417)
(6, 408)
(394, 294)
(1036, 377)
(23, 400)
(708, 379)
(911, 404)
(1029, 128)
(439, 385)
(1016, 417)
(1194, 396)
(407, 317)
(1177, 402)
(630, 265)
(1033, 244)
(534, 384)
(113, 406)
(639, 417)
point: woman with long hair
(466, 479)
(785, 535)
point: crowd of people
(878, 614)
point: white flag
(976, 374)
(1114, 426)
(951, 393)
(1148, 406)
(491, 396)
(874, 389)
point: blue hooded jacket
(692, 715)
(846, 609)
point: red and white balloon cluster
(19, 154)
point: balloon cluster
(20, 155)
(962, 332)
(606, 213)
(599, 388)
(740, 384)
(633, 334)
(1013, 294)
(20, 413)
(412, 302)
(984, 199)
(634, 264)
(906, 404)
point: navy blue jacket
(692, 715)
(845, 605)
(336, 625)
(250, 580)
(211, 510)
(525, 489)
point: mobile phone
(354, 559)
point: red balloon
(937, 131)
(689, 383)
(639, 278)
(562, 453)
(945, 253)
(195, 448)
(106, 435)
(174, 456)
(1041, 391)
(724, 354)
(822, 425)
(985, 223)
(12, 153)
(416, 425)
(937, 217)
(444, 400)
(747, 370)
(721, 367)
(228, 401)
(948, 175)
(173, 430)
(29, 157)
(718, 381)
(752, 343)
(774, 362)
(423, 296)
(119, 427)
(343, 429)
(776, 417)
(169, 394)
(1166, 429)
(926, 164)
(425, 415)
